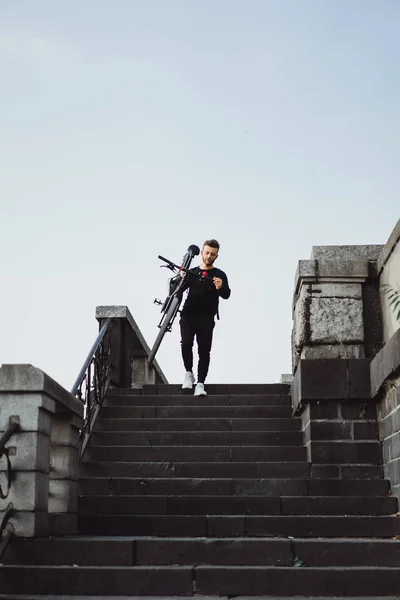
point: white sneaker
(189, 381)
(199, 390)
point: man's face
(209, 255)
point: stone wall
(385, 387)
(389, 272)
(44, 454)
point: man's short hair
(212, 244)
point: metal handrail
(13, 427)
(92, 384)
(6, 528)
(90, 356)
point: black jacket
(203, 297)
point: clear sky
(132, 128)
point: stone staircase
(212, 497)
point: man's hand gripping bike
(170, 306)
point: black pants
(202, 328)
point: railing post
(41, 453)
(128, 358)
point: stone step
(216, 389)
(115, 486)
(201, 424)
(186, 400)
(194, 597)
(347, 581)
(195, 453)
(240, 526)
(197, 438)
(105, 580)
(213, 551)
(235, 505)
(204, 580)
(197, 469)
(195, 412)
(347, 452)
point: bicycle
(170, 306)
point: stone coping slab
(366, 252)
(25, 378)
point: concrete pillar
(49, 418)
(127, 350)
(332, 301)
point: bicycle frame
(170, 306)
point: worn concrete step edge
(227, 505)
(235, 526)
(231, 581)
(116, 551)
(268, 486)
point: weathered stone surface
(62, 496)
(64, 462)
(30, 524)
(389, 246)
(386, 363)
(65, 430)
(33, 410)
(390, 275)
(367, 252)
(30, 451)
(26, 378)
(286, 378)
(28, 492)
(138, 347)
(334, 290)
(330, 271)
(332, 351)
(336, 320)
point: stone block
(393, 471)
(334, 290)
(344, 351)
(389, 246)
(65, 430)
(30, 524)
(359, 384)
(352, 252)
(323, 379)
(345, 452)
(30, 380)
(346, 270)
(386, 364)
(366, 431)
(63, 495)
(361, 472)
(29, 451)
(358, 411)
(336, 320)
(331, 430)
(33, 410)
(28, 491)
(325, 471)
(386, 448)
(64, 462)
(323, 410)
(62, 524)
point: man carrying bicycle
(198, 314)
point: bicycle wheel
(169, 317)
